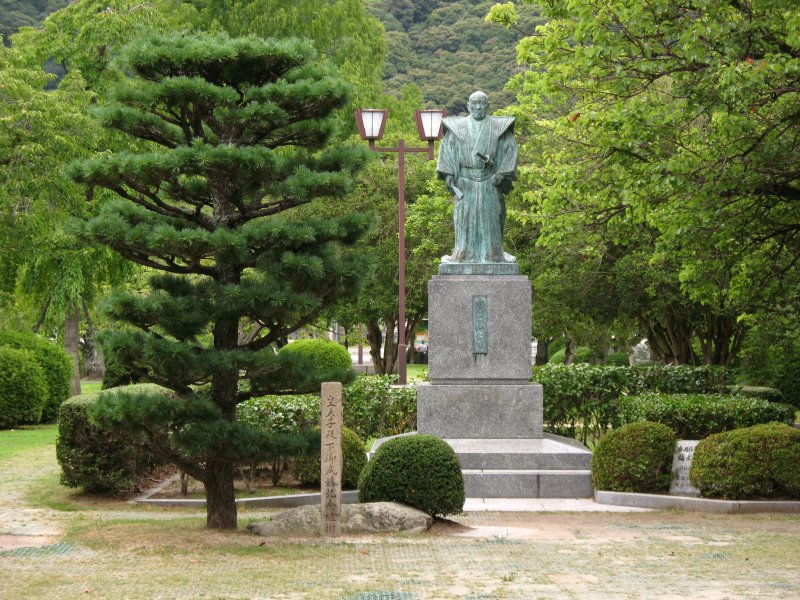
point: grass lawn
(58, 543)
(91, 387)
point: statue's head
(478, 105)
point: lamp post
(371, 123)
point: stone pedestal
(480, 399)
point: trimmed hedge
(757, 391)
(23, 388)
(371, 407)
(419, 470)
(55, 363)
(634, 458)
(762, 461)
(581, 401)
(92, 457)
(695, 416)
(354, 459)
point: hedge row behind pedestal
(696, 416)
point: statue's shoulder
(503, 124)
(457, 125)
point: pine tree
(238, 132)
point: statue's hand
(450, 181)
(497, 179)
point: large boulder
(372, 517)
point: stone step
(548, 453)
(515, 483)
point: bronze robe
(478, 217)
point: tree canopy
(662, 140)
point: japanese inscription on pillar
(480, 325)
(331, 460)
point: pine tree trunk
(72, 347)
(541, 351)
(220, 496)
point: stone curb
(290, 501)
(662, 502)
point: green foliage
(771, 354)
(634, 458)
(558, 357)
(419, 470)
(448, 50)
(24, 13)
(354, 459)
(116, 374)
(281, 413)
(618, 359)
(373, 409)
(55, 363)
(755, 462)
(91, 456)
(659, 145)
(23, 388)
(581, 400)
(330, 360)
(695, 416)
(756, 391)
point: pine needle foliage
(238, 132)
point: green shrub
(55, 363)
(634, 458)
(618, 359)
(330, 360)
(756, 391)
(419, 470)
(92, 457)
(116, 374)
(23, 388)
(581, 355)
(354, 459)
(771, 356)
(695, 416)
(581, 401)
(291, 413)
(372, 408)
(762, 461)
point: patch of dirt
(444, 527)
(10, 542)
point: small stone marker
(331, 460)
(681, 462)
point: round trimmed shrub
(634, 458)
(418, 470)
(354, 459)
(23, 388)
(94, 458)
(56, 367)
(762, 461)
(321, 355)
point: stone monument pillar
(480, 399)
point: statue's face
(478, 108)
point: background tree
(673, 124)
(238, 130)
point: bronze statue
(478, 161)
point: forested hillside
(448, 50)
(25, 13)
